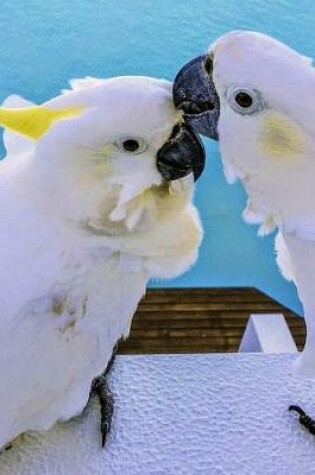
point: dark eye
(134, 145)
(131, 145)
(245, 100)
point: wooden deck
(200, 320)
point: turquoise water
(43, 44)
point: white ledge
(267, 333)
(178, 415)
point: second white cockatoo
(95, 199)
(257, 97)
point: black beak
(182, 154)
(194, 93)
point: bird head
(252, 93)
(123, 156)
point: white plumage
(270, 146)
(84, 225)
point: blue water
(43, 44)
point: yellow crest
(35, 121)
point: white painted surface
(267, 333)
(184, 415)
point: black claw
(297, 409)
(101, 388)
(105, 429)
(305, 420)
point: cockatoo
(256, 96)
(96, 198)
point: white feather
(71, 277)
(272, 151)
(83, 83)
(284, 260)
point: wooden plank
(203, 290)
(200, 323)
(199, 315)
(200, 320)
(210, 306)
(179, 350)
(188, 323)
(173, 343)
(186, 333)
(175, 298)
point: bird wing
(62, 337)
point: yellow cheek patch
(35, 121)
(281, 137)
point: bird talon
(101, 388)
(105, 429)
(297, 409)
(305, 420)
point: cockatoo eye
(133, 145)
(244, 100)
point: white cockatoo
(257, 96)
(95, 199)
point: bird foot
(305, 420)
(101, 388)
